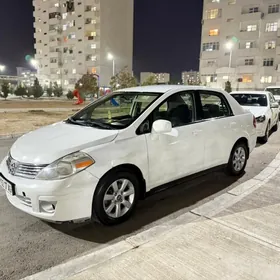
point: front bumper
(64, 200)
(261, 127)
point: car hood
(47, 144)
(256, 111)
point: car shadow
(179, 197)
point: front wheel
(238, 159)
(115, 198)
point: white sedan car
(98, 163)
(264, 107)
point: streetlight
(229, 46)
(2, 68)
(111, 57)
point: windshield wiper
(90, 123)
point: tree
(37, 89)
(57, 90)
(20, 91)
(5, 89)
(151, 80)
(228, 87)
(123, 79)
(87, 85)
(49, 90)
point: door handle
(196, 132)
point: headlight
(66, 166)
(260, 119)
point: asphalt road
(28, 245)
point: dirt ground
(14, 123)
(29, 103)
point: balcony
(245, 69)
(246, 16)
(247, 52)
(248, 35)
(55, 54)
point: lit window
(210, 78)
(225, 77)
(66, 82)
(251, 28)
(74, 71)
(95, 9)
(249, 61)
(268, 62)
(56, 5)
(266, 79)
(64, 27)
(64, 15)
(209, 47)
(214, 32)
(72, 36)
(274, 8)
(270, 45)
(93, 70)
(231, 2)
(271, 27)
(249, 45)
(93, 46)
(214, 13)
(93, 33)
(93, 58)
(58, 82)
(247, 78)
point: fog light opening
(47, 206)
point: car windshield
(251, 99)
(114, 111)
(274, 91)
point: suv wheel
(238, 159)
(115, 198)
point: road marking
(80, 264)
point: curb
(207, 210)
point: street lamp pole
(229, 46)
(111, 57)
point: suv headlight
(66, 166)
(260, 119)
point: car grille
(24, 170)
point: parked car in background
(264, 107)
(275, 90)
(98, 163)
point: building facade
(26, 77)
(190, 78)
(75, 37)
(161, 78)
(240, 43)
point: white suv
(101, 161)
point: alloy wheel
(119, 198)
(239, 159)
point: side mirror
(161, 126)
(274, 105)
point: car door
(180, 153)
(220, 127)
(274, 111)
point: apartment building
(161, 78)
(240, 43)
(26, 76)
(74, 37)
(190, 77)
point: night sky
(166, 36)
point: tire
(264, 139)
(275, 127)
(119, 207)
(239, 153)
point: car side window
(178, 109)
(214, 105)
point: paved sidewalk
(240, 242)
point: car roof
(164, 88)
(248, 92)
(272, 87)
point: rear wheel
(238, 159)
(275, 127)
(115, 198)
